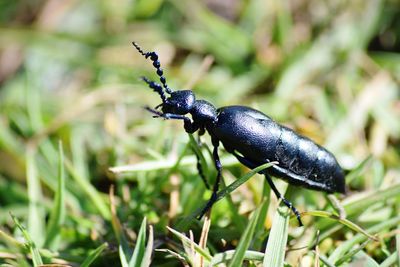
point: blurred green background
(69, 75)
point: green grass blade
(119, 233)
(139, 250)
(398, 249)
(90, 190)
(276, 246)
(93, 255)
(348, 245)
(13, 246)
(9, 142)
(260, 227)
(230, 188)
(8, 239)
(392, 260)
(57, 215)
(358, 170)
(246, 238)
(36, 258)
(367, 200)
(228, 255)
(149, 249)
(180, 256)
(352, 253)
(36, 213)
(364, 259)
(349, 224)
(189, 243)
(325, 260)
(166, 164)
(122, 257)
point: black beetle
(252, 137)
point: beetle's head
(180, 102)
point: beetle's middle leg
(200, 170)
(218, 166)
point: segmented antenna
(156, 63)
(156, 87)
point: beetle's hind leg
(252, 165)
(284, 200)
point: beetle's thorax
(203, 112)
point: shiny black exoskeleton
(252, 137)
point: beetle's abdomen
(260, 139)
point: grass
(88, 178)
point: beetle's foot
(293, 209)
(203, 212)
(200, 216)
(299, 220)
(208, 206)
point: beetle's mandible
(252, 137)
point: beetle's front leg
(190, 127)
(218, 166)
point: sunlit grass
(89, 178)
